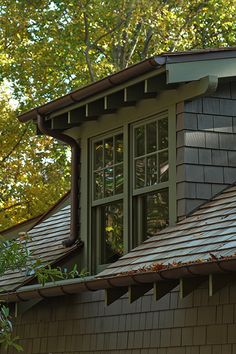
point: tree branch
(88, 46)
(13, 206)
(146, 43)
(134, 42)
(14, 146)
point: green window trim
(107, 167)
(146, 159)
(107, 208)
(131, 196)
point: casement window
(107, 197)
(130, 187)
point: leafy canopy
(49, 47)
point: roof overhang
(143, 80)
(129, 74)
(218, 273)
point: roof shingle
(45, 243)
(209, 232)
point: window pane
(119, 148)
(112, 235)
(151, 170)
(140, 173)
(98, 188)
(163, 166)
(98, 155)
(119, 179)
(163, 133)
(156, 209)
(151, 137)
(108, 151)
(108, 182)
(140, 141)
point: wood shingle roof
(209, 233)
(45, 243)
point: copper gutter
(75, 286)
(82, 93)
(124, 75)
(75, 174)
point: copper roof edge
(74, 286)
(124, 75)
(93, 88)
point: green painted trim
(126, 204)
(146, 108)
(188, 71)
(172, 165)
(150, 189)
(122, 120)
(108, 92)
(205, 86)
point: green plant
(48, 273)
(16, 255)
(6, 329)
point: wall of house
(82, 324)
(206, 147)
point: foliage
(55, 45)
(16, 255)
(49, 47)
(48, 273)
(6, 330)
(34, 171)
(13, 255)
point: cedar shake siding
(78, 324)
(206, 147)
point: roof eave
(74, 286)
(87, 91)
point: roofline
(125, 75)
(54, 206)
(22, 223)
(78, 95)
(75, 286)
(37, 218)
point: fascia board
(190, 71)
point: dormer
(149, 145)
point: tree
(34, 171)
(49, 47)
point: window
(150, 177)
(151, 153)
(130, 190)
(107, 186)
(108, 167)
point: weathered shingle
(45, 243)
(210, 230)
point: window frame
(138, 194)
(129, 194)
(133, 158)
(96, 205)
(115, 197)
